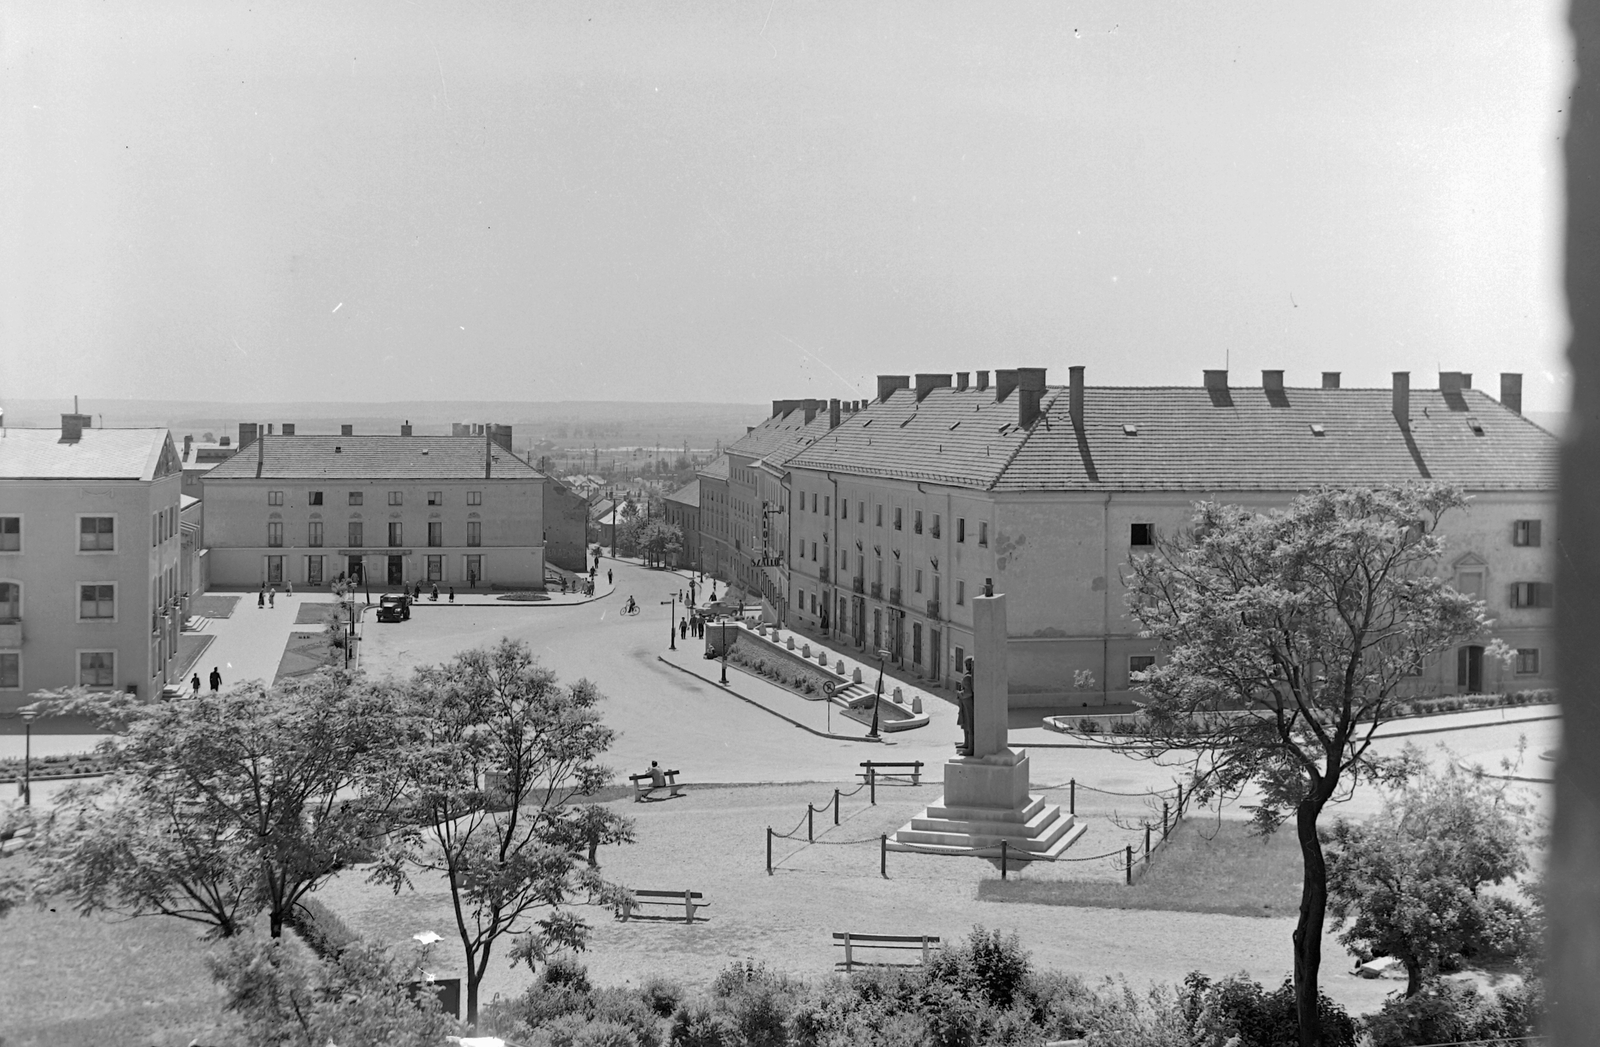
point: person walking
(608, 576)
(261, 597)
(216, 680)
(272, 597)
(452, 594)
(683, 628)
(195, 683)
(288, 589)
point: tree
(1285, 639)
(497, 752)
(1407, 884)
(660, 542)
(220, 806)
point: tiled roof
(688, 494)
(100, 454)
(716, 469)
(1180, 438)
(781, 437)
(373, 458)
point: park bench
(876, 769)
(642, 787)
(851, 942)
(689, 900)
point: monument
(986, 799)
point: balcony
(894, 596)
(858, 584)
(933, 610)
(10, 632)
(822, 572)
(877, 590)
(934, 531)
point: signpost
(672, 623)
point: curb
(729, 689)
(1380, 737)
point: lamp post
(27, 756)
(883, 656)
(672, 623)
(725, 645)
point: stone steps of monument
(1005, 814)
(1044, 825)
(853, 695)
(958, 843)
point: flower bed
(61, 765)
(779, 666)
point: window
(274, 570)
(1525, 532)
(844, 509)
(1527, 661)
(474, 497)
(10, 671)
(314, 498)
(10, 534)
(1142, 534)
(274, 497)
(983, 532)
(396, 535)
(314, 534)
(1470, 583)
(935, 529)
(313, 570)
(474, 532)
(1532, 594)
(861, 512)
(898, 518)
(827, 507)
(813, 603)
(97, 602)
(961, 529)
(813, 501)
(961, 592)
(435, 497)
(274, 534)
(357, 498)
(396, 497)
(97, 668)
(435, 534)
(916, 581)
(880, 516)
(97, 534)
(1138, 663)
(435, 568)
(10, 600)
(916, 522)
(474, 569)
(355, 533)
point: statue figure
(966, 719)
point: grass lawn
(1206, 866)
(67, 980)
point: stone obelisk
(986, 798)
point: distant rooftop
(373, 458)
(97, 454)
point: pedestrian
(452, 594)
(288, 590)
(216, 680)
(261, 597)
(433, 594)
(195, 683)
(608, 576)
(272, 597)
(683, 628)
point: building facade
(459, 511)
(91, 592)
(901, 511)
(683, 510)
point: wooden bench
(851, 942)
(875, 769)
(689, 900)
(642, 787)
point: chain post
(1004, 846)
(1130, 865)
(769, 850)
(1147, 842)
(836, 806)
(1164, 828)
(1072, 796)
(811, 836)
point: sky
(381, 200)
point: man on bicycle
(630, 607)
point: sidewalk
(818, 717)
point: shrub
(1449, 1012)
(661, 996)
(626, 1008)
(565, 970)
(321, 929)
(1239, 1012)
(698, 1024)
(1088, 726)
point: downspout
(833, 563)
(1105, 604)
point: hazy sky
(748, 201)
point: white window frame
(274, 497)
(78, 660)
(21, 686)
(474, 497)
(270, 543)
(435, 497)
(20, 530)
(961, 592)
(1149, 659)
(397, 498)
(313, 497)
(20, 595)
(116, 533)
(78, 604)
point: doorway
(396, 570)
(1469, 668)
(877, 629)
(355, 570)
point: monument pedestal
(986, 801)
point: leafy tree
(1408, 883)
(497, 751)
(1286, 637)
(660, 542)
(282, 999)
(219, 806)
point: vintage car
(394, 607)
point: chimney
(1216, 379)
(888, 383)
(188, 442)
(288, 428)
(1466, 379)
(1075, 397)
(1330, 379)
(73, 425)
(1450, 382)
(269, 428)
(261, 455)
(405, 429)
(247, 434)
(982, 379)
(777, 409)
(500, 435)
(347, 430)
(1030, 392)
(1511, 391)
(927, 383)
(833, 413)
(961, 381)
(1272, 381)
(225, 442)
(811, 407)
(1004, 382)
(1402, 398)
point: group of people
(433, 596)
(694, 625)
(269, 597)
(216, 681)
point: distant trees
(1285, 637)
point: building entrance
(1469, 668)
(396, 570)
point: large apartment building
(896, 513)
(90, 587)
(392, 510)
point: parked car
(394, 607)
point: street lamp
(883, 656)
(27, 756)
(725, 645)
(672, 623)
